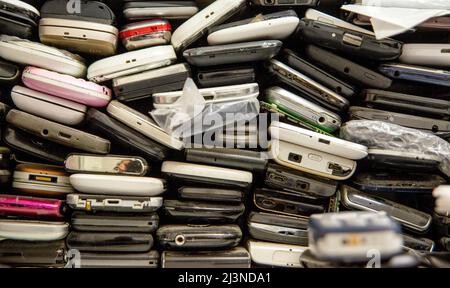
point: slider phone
(278, 228)
(350, 42)
(66, 86)
(306, 86)
(187, 173)
(416, 73)
(109, 222)
(144, 34)
(195, 237)
(197, 25)
(412, 219)
(236, 258)
(58, 133)
(107, 164)
(41, 180)
(109, 242)
(143, 85)
(310, 70)
(400, 182)
(173, 10)
(407, 103)
(131, 63)
(124, 136)
(233, 53)
(35, 146)
(119, 260)
(25, 52)
(294, 181)
(406, 120)
(300, 108)
(230, 158)
(116, 204)
(33, 230)
(209, 194)
(274, 26)
(288, 203)
(202, 212)
(275, 254)
(346, 68)
(142, 124)
(47, 106)
(225, 76)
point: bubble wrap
(382, 135)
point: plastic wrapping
(382, 135)
(190, 115)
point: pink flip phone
(66, 86)
(30, 207)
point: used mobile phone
(119, 260)
(147, 33)
(415, 220)
(33, 230)
(173, 10)
(426, 54)
(110, 222)
(234, 258)
(300, 108)
(291, 180)
(131, 63)
(89, 11)
(194, 237)
(307, 87)
(25, 52)
(47, 106)
(288, 203)
(58, 133)
(202, 212)
(196, 26)
(210, 194)
(233, 53)
(282, 3)
(51, 254)
(106, 164)
(66, 86)
(18, 18)
(403, 160)
(188, 173)
(122, 204)
(274, 26)
(110, 242)
(416, 73)
(275, 254)
(225, 76)
(124, 136)
(358, 74)
(31, 207)
(41, 180)
(278, 228)
(9, 73)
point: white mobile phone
(312, 161)
(335, 146)
(142, 124)
(275, 254)
(36, 54)
(48, 106)
(214, 14)
(26, 230)
(131, 63)
(426, 54)
(117, 185)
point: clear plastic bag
(190, 115)
(382, 135)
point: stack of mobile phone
(336, 141)
(114, 210)
(33, 217)
(201, 229)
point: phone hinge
(353, 40)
